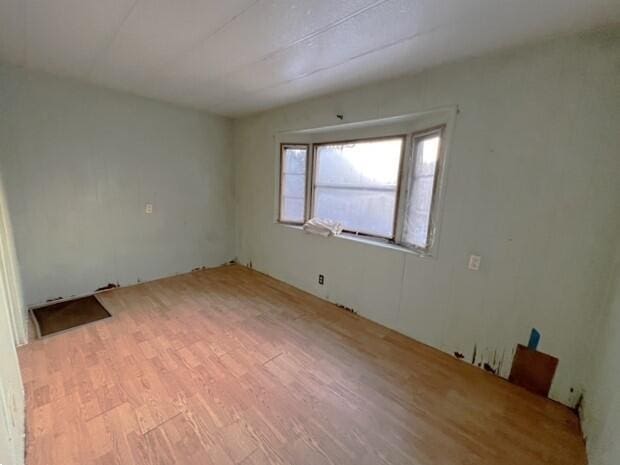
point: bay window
(384, 188)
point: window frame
(312, 184)
(414, 139)
(283, 147)
(414, 127)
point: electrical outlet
(474, 262)
(148, 209)
(321, 279)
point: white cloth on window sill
(322, 227)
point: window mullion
(308, 181)
(405, 180)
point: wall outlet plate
(148, 208)
(474, 262)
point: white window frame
(408, 178)
(413, 127)
(313, 169)
(283, 147)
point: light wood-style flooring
(228, 366)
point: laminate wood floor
(228, 366)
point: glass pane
(294, 161)
(292, 210)
(418, 219)
(356, 185)
(293, 187)
(361, 164)
(368, 212)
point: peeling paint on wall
(107, 286)
(488, 368)
(348, 309)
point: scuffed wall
(81, 162)
(532, 181)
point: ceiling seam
(201, 41)
(106, 46)
(326, 68)
(309, 36)
(314, 34)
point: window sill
(363, 240)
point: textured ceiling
(235, 57)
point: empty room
(310, 232)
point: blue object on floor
(534, 339)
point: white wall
(80, 163)
(532, 186)
(9, 273)
(11, 388)
(11, 392)
(601, 405)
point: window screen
(293, 183)
(356, 184)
